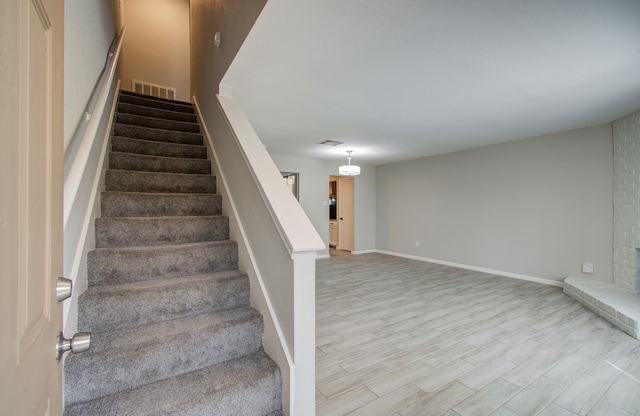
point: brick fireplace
(619, 302)
(626, 202)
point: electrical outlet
(587, 268)
(417, 243)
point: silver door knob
(79, 343)
(64, 288)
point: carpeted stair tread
(139, 110)
(150, 204)
(159, 135)
(246, 386)
(156, 123)
(153, 148)
(153, 231)
(155, 102)
(132, 305)
(146, 163)
(107, 266)
(133, 357)
(156, 182)
(173, 332)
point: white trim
(89, 216)
(226, 91)
(252, 259)
(373, 250)
(322, 256)
(147, 88)
(77, 258)
(477, 269)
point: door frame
(343, 231)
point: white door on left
(31, 177)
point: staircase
(168, 309)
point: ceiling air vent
(331, 142)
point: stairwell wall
(157, 47)
(89, 28)
(234, 20)
(89, 34)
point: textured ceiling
(398, 80)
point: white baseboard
(322, 256)
(365, 251)
(477, 269)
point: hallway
(403, 337)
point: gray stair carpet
(172, 329)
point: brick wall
(626, 202)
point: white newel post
(304, 288)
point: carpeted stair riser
(131, 305)
(172, 329)
(159, 135)
(153, 98)
(132, 181)
(154, 231)
(156, 123)
(130, 358)
(247, 386)
(145, 163)
(138, 110)
(146, 101)
(153, 148)
(137, 204)
(109, 266)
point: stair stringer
(81, 240)
(273, 339)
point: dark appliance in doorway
(332, 208)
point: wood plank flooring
(401, 337)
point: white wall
(156, 47)
(537, 207)
(233, 20)
(314, 193)
(88, 32)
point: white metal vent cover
(155, 90)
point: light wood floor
(403, 337)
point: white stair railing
(278, 243)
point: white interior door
(345, 214)
(31, 90)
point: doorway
(341, 213)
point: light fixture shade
(350, 170)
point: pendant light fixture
(349, 169)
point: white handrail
(74, 176)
